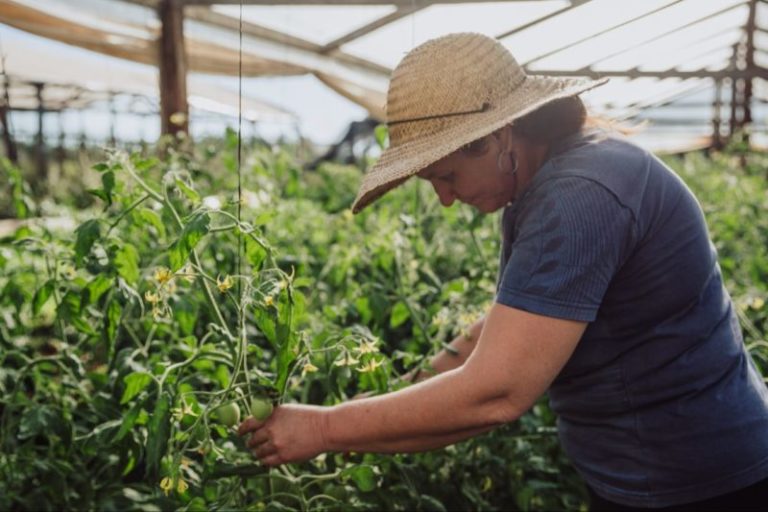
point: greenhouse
(383, 255)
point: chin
(488, 207)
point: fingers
(257, 438)
(264, 450)
(259, 441)
(249, 425)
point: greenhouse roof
(659, 53)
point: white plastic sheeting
(285, 38)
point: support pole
(40, 157)
(112, 119)
(5, 121)
(174, 111)
(717, 141)
(749, 67)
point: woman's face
(484, 180)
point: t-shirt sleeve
(569, 241)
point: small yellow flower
(151, 297)
(758, 303)
(166, 484)
(370, 366)
(269, 300)
(348, 215)
(367, 347)
(347, 360)
(185, 410)
(188, 273)
(181, 486)
(163, 275)
(225, 284)
(158, 312)
(308, 368)
(70, 272)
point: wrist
(325, 429)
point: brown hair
(545, 125)
(552, 121)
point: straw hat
(448, 92)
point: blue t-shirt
(660, 404)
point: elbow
(505, 410)
(496, 405)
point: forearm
(445, 409)
(430, 442)
(445, 360)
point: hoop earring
(515, 166)
(513, 160)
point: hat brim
(397, 164)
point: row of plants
(133, 345)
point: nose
(444, 192)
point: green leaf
(159, 428)
(185, 313)
(38, 420)
(42, 295)
(363, 476)
(382, 135)
(101, 167)
(286, 339)
(111, 323)
(431, 503)
(193, 232)
(363, 306)
(108, 185)
(265, 321)
(87, 234)
(222, 376)
(191, 194)
(400, 314)
(134, 384)
(127, 263)
(152, 218)
(255, 253)
(95, 289)
(128, 421)
(70, 311)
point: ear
(505, 136)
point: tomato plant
(130, 343)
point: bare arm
(517, 356)
(445, 360)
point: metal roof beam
(573, 5)
(601, 32)
(206, 15)
(668, 32)
(401, 12)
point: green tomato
(261, 408)
(228, 414)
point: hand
(293, 433)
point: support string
(240, 156)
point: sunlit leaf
(193, 232)
(86, 235)
(134, 384)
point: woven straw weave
(448, 92)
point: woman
(609, 297)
